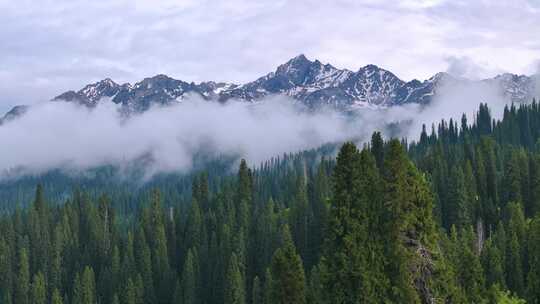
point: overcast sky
(49, 46)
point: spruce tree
(22, 282)
(257, 291)
(470, 269)
(189, 287)
(533, 277)
(56, 298)
(337, 272)
(234, 284)
(6, 271)
(38, 294)
(492, 263)
(514, 266)
(377, 148)
(88, 286)
(288, 279)
(267, 289)
(458, 204)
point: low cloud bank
(63, 135)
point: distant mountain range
(311, 83)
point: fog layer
(64, 135)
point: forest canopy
(451, 218)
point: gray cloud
(465, 67)
(58, 45)
(64, 135)
(68, 136)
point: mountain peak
(299, 58)
(441, 76)
(108, 81)
(296, 63)
(370, 67)
(161, 77)
(308, 81)
(104, 88)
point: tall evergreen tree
(458, 204)
(234, 285)
(189, 286)
(22, 283)
(289, 286)
(533, 277)
(88, 286)
(38, 294)
(56, 298)
(377, 148)
(257, 292)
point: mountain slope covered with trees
(452, 218)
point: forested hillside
(452, 218)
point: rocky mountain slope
(311, 83)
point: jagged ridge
(311, 83)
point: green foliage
(504, 297)
(56, 298)
(38, 293)
(234, 285)
(452, 218)
(288, 279)
(22, 283)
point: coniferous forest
(451, 218)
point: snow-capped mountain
(159, 89)
(516, 87)
(316, 84)
(311, 83)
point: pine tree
(512, 181)
(78, 293)
(410, 231)
(129, 293)
(492, 263)
(22, 283)
(268, 284)
(472, 193)
(245, 182)
(470, 269)
(55, 275)
(88, 286)
(38, 294)
(194, 227)
(189, 288)
(160, 253)
(336, 266)
(234, 285)
(377, 148)
(398, 201)
(533, 277)
(514, 266)
(458, 213)
(244, 196)
(315, 288)
(257, 292)
(56, 298)
(289, 286)
(144, 264)
(300, 220)
(534, 203)
(6, 271)
(39, 234)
